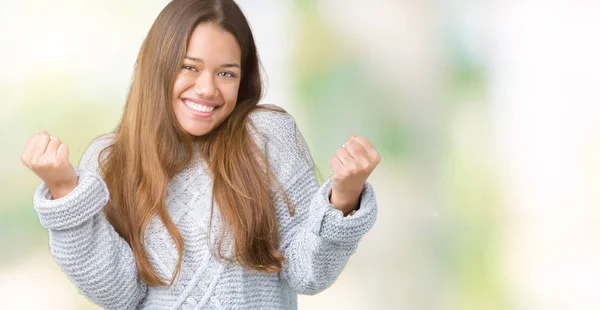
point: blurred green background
(486, 114)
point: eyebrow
(231, 65)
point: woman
(201, 198)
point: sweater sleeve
(84, 244)
(317, 240)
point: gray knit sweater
(317, 241)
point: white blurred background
(486, 113)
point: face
(206, 88)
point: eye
(189, 68)
(226, 74)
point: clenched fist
(47, 157)
(352, 164)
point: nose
(205, 86)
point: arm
(84, 244)
(318, 240)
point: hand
(352, 164)
(48, 158)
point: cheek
(230, 93)
(178, 86)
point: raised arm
(318, 240)
(84, 244)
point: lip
(199, 114)
(201, 102)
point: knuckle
(363, 166)
(351, 145)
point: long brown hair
(150, 147)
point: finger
(362, 161)
(336, 164)
(356, 150)
(50, 153)
(28, 151)
(40, 147)
(369, 148)
(345, 147)
(62, 154)
(345, 158)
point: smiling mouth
(199, 107)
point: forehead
(212, 44)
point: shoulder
(90, 159)
(278, 136)
(273, 122)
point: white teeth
(198, 107)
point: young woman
(201, 198)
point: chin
(198, 132)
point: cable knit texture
(317, 241)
